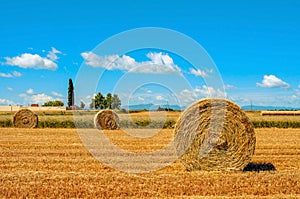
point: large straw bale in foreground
(214, 134)
(106, 120)
(25, 118)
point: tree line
(98, 102)
(106, 102)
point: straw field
(53, 163)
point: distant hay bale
(25, 118)
(106, 120)
(280, 113)
(214, 135)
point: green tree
(82, 104)
(98, 102)
(108, 101)
(70, 93)
(54, 103)
(116, 102)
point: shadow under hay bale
(257, 167)
(25, 118)
(106, 120)
(214, 135)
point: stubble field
(53, 163)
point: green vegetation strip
(169, 123)
(276, 124)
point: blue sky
(255, 46)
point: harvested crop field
(53, 163)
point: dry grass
(53, 163)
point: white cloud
(17, 74)
(208, 91)
(30, 91)
(31, 98)
(28, 60)
(23, 95)
(229, 87)
(11, 75)
(57, 94)
(198, 72)
(299, 86)
(187, 96)
(159, 98)
(141, 99)
(271, 81)
(10, 88)
(91, 96)
(159, 63)
(41, 98)
(52, 55)
(147, 90)
(201, 73)
(6, 75)
(6, 102)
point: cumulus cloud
(208, 91)
(30, 97)
(229, 87)
(17, 74)
(52, 55)
(41, 98)
(11, 75)
(57, 94)
(188, 96)
(271, 81)
(198, 72)
(28, 60)
(141, 98)
(30, 91)
(159, 98)
(201, 73)
(159, 63)
(5, 102)
(6, 75)
(10, 88)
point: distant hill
(267, 108)
(151, 107)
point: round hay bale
(106, 120)
(214, 135)
(25, 118)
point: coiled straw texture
(25, 118)
(106, 120)
(214, 135)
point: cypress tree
(70, 93)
